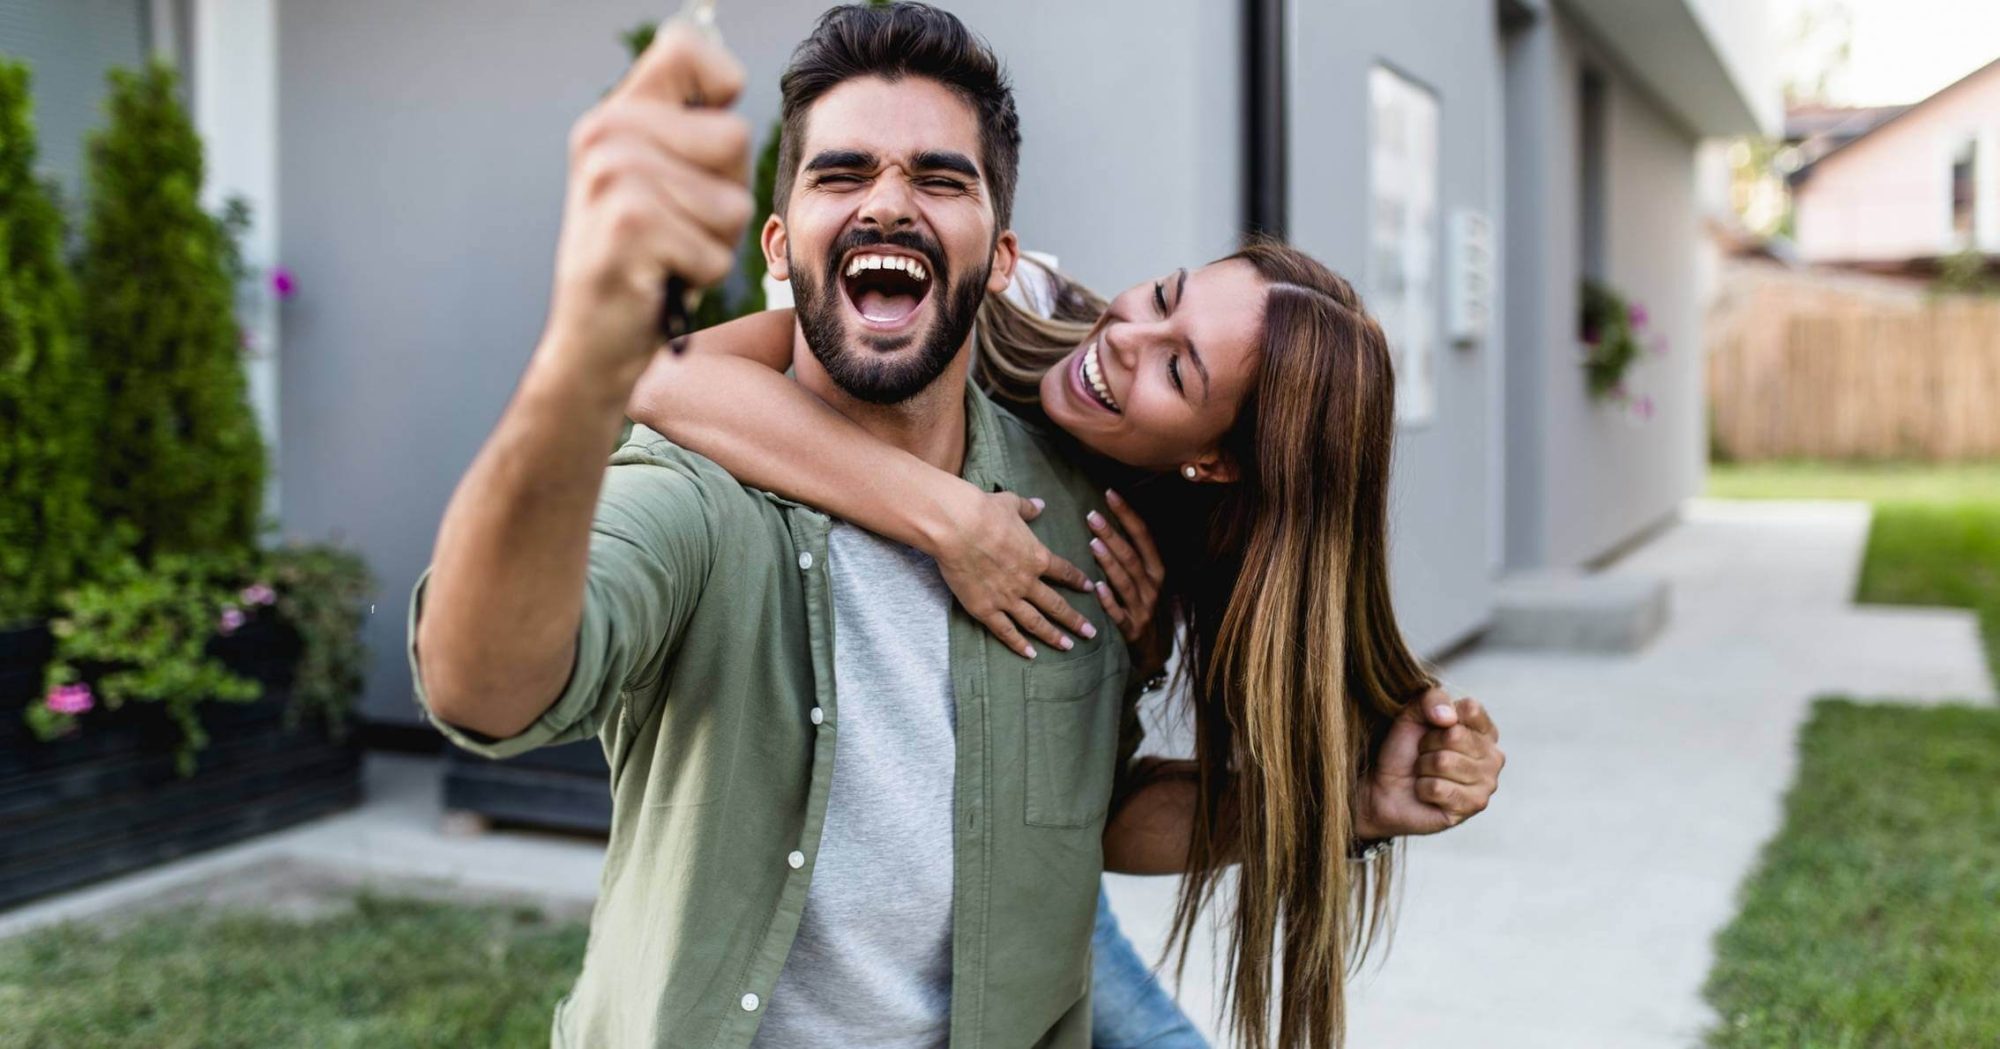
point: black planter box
(109, 801)
(565, 788)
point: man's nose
(889, 203)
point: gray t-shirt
(872, 961)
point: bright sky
(1903, 50)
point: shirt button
(796, 859)
(817, 715)
(805, 560)
(749, 1003)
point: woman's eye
(1174, 373)
(1160, 296)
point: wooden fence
(1799, 369)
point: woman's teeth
(1094, 373)
(891, 262)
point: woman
(1246, 408)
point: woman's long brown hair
(1288, 639)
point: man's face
(888, 238)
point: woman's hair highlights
(1289, 642)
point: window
(1403, 233)
(1964, 179)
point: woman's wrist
(940, 511)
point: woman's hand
(996, 568)
(1135, 573)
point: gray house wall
(1584, 478)
(69, 45)
(420, 163)
(1441, 500)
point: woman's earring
(1188, 472)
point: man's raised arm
(655, 188)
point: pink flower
(1644, 407)
(70, 699)
(258, 594)
(232, 617)
(1637, 315)
(282, 283)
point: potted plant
(197, 688)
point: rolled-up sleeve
(650, 550)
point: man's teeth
(891, 262)
(1095, 373)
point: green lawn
(382, 973)
(1936, 537)
(1873, 919)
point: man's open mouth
(886, 289)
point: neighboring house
(1922, 184)
(1466, 162)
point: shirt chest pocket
(1072, 741)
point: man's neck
(930, 425)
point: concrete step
(1579, 611)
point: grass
(384, 972)
(1936, 536)
(1873, 919)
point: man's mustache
(863, 237)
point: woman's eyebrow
(1180, 295)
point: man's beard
(865, 373)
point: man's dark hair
(892, 42)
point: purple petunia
(232, 617)
(70, 699)
(258, 594)
(1637, 315)
(282, 283)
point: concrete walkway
(1577, 912)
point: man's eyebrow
(1180, 293)
(840, 158)
(944, 160)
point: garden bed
(109, 800)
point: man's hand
(1438, 767)
(657, 187)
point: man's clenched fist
(657, 187)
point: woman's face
(1158, 381)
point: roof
(1803, 173)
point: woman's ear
(1211, 468)
(777, 260)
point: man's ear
(777, 257)
(1006, 252)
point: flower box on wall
(110, 800)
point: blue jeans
(1128, 1007)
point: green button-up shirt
(705, 667)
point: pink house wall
(1887, 196)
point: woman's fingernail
(1113, 496)
(1096, 520)
(1028, 650)
(1441, 711)
(1097, 547)
(1039, 505)
(1067, 643)
(1089, 631)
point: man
(938, 880)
